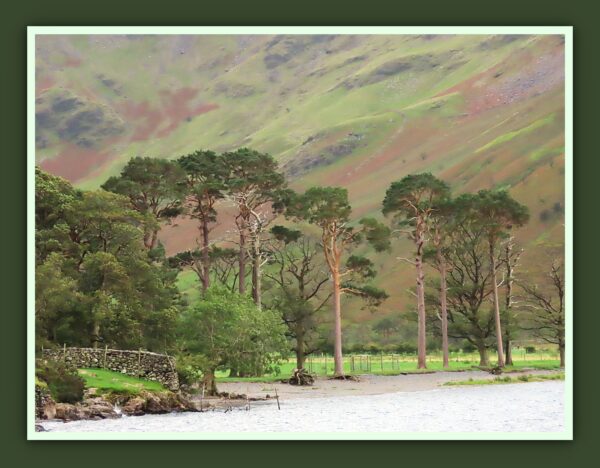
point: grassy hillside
(354, 111)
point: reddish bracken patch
(145, 119)
(174, 109)
(74, 163)
(72, 62)
(42, 84)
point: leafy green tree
(53, 197)
(154, 189)
(546, 302)
(57, 298)
(228, 330)
(468, 282)
(498, 213)
(96, 281)
(412, 200)
(223, 262)
(329, 209)
(254, 184)
(441, 219)
(298, 274)
(205, 184)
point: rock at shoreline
(112, 406)
(134, 407)
(45, 406)
(99, 408)
(156, 403)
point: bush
(530, 349)
(65, 385)
(405, 348)
(468, 347)
(189, 368)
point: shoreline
(368, 384)
(537, 408)
(260, 393)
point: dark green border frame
(19, 14)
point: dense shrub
(65, 385)
(189, 368)
(469, 347)
(406, 348)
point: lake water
(527, 407)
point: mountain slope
(355, 111)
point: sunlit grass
(388, 365)
(508, 380)
(109, 381)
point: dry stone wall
(142, 364)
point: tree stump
(301, 377)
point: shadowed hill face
(355, 111)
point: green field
(114, 382)
(508, 380)
(388, 364)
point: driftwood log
(497, 370)
(352, 378)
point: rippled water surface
(530, 407)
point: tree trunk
(561, 351)
(150, 239)
(337, 316)
(242, 263)
(210, 383)
(205, 258)
(422, 337)
(484, 360)
(96, 334)
(508, 350)
(444, 307)
(256, 273)
(153, 239)
(300, 356)
(496, 308)
(509, 288)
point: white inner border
(32, 31)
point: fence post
(64, 352)
(105, 352)
(382, 362)
(139, 363)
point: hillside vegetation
(352, 111)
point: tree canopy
(229, 331)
